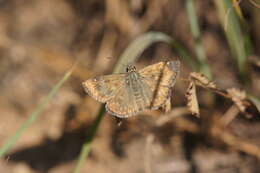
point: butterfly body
(129, 93)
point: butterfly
(127, 94)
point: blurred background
(41, 40)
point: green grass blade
(199, 49)
(135, 49)
(13, 139)
(255, 101)
(87, 144)
(129, 56)
(234, 35)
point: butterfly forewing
(103, 88)
(160, 78)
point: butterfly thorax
(131, 76)
(139, 93)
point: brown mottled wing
(131, 99)
(103, 88)
(123, 104)
(160, 78)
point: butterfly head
(130, 68)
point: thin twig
(230, 115)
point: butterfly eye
(130, 68)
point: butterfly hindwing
(123, 104)
(132, 98)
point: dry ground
(40, 41)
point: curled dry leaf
(191, 96)
(238, 97)
(167, 106)
(202, 80)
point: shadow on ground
(51, 152)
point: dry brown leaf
(191, 96)
(202, 80)
(167, 106)
(238, 97)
